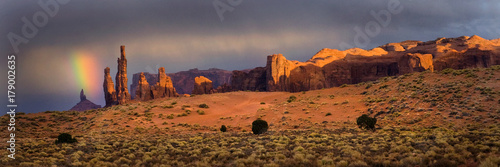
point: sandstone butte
(332, 67)
(202, 85)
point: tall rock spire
(82, 96)
(109, 90)
(122, 94)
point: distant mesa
(84, 104)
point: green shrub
(223, 128)
(383, 86)
(291, 98)
(364, 121)
(201, 112)
(259, 126)
(65, 138)
(368, 86)
(447, 71)
(203, 105)
(328, 114)
(168, 106)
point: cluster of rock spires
(84, 104)
(184, 81)
(143, 91)
(327, 68)
(162, 88)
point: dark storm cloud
(184, 34)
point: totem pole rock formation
(122, 94)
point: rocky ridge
(332, 67)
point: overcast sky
(184, 34)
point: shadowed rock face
(202, 85)
(254, 80)
(331, 67)
(109, 90)
(122, 94)
(223, 88)
(82, 96)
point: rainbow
(85, 72)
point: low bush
(65, 138)
(259, 126)
(364, 121)
(203, 105)
(223, 128)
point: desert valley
(436, 103)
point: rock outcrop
(150, 78)
(183, 81)
(109, 90)
(164, 87)
(122, 94)
(331, 67)
(278, 70)
(202, 85)
(84, 104)
(143, 90)
(223, 88)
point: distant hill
(84, 104)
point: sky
(74, 40)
